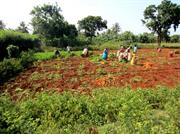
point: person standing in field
(105, 54)
(135, 49)
(129, 56)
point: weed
(101, 71)
(52, 76)
(35, 76)
(136, 79)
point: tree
(147, 38)
(22, 28)
(70, 30)
(47, 21)
(2, 25)
(175, 38)
(116, 28)
(128, 36)
(91, 24)
(159, 19)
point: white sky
(128, 13)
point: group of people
(122, 53)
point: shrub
(22, 40)
(27, 58)
(8, 68)
(107, 111)
(11, 67)
(13, 51)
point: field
(85, 74)
(71, 94)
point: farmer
(159, 49)
(57, 53)
(128, 54)
(68, 49)
(120, 53)
(135, 49)
(85, 52)
(105, 54)
(133, 59)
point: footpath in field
(84, 74)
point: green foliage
(50, 55)
(27, 58)
(96, 58)
(112, 45)
(13, 51)
(147, 38)
(11, 67)
(106, 111)
(50, 25)
(47, 21)
(44, 55)
(22, 40)
(175, 39)
(2, 25)
(128, 36)
(91, 24)
(22, 28)
(116, 28)
(159, 19)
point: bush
(11, 67)
(175, 39)
(27, 58)
(110, 110)
(22, 40)
(13, 51)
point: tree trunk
(159, 40)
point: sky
(128, 13)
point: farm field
(85, 74)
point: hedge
(23, 40)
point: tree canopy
(116, 28)
(2, 25)
(22, 27)
(48, 21)
(90, 24)
(159, 19)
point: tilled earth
(152, 68)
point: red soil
(80, 74)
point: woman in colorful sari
(105, 54)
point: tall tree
(159, 19)
(47, 21)
(22, 27)
(70, 30)
(91, 24)
(116, 28)
(2, 25)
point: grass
(50, 55)
(44, 55)
(114, 45)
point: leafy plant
(110, 110)
(13, 51)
